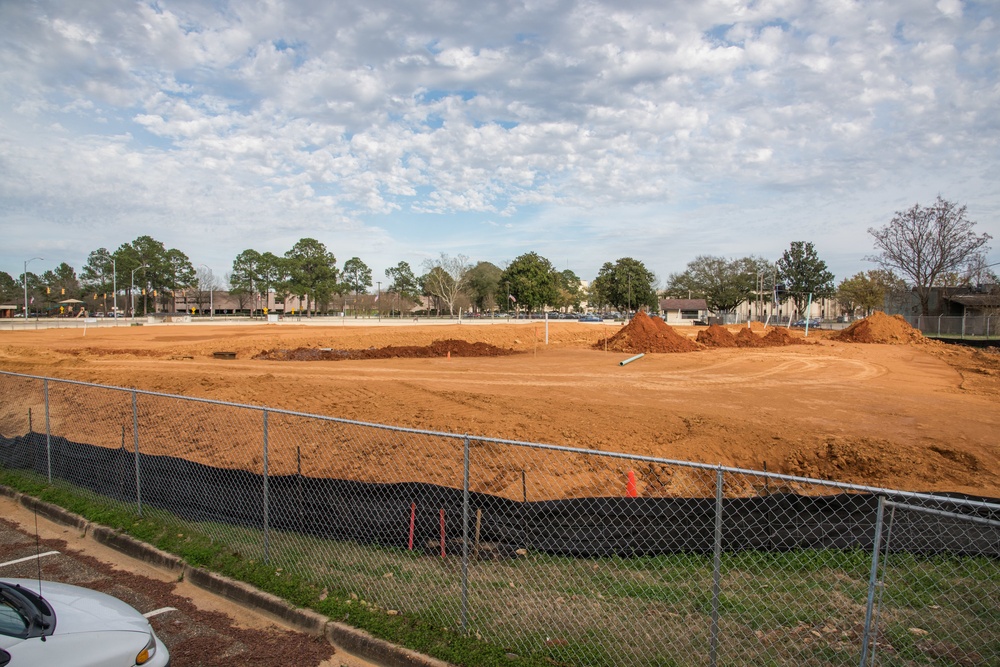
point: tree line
(920, 248)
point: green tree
(98, 275)
(156, 270)
(179, 275)
(404, 284)
(273, 276)
(357, 278)
(922, 243)
(569, 288)
(483, 285)
(626, 285)
(445, 278)
(723, 283)
(804, 273)
(867, 291)
(312, 272)
(9, 289)
(244, 278)
(64, 282)
(532, 281)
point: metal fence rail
(551, 553)
(969, 326)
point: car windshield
(24, 613)
(12, 622)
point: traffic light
(48, 290)
(64, 291)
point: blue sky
(584, 131)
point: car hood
(83, 610)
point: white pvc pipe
(631, 359)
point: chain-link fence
(555, 555)
(984, 326)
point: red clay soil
(780, 336)
(881, 328)
(747, 338)
(646, 334)
(717, 336)
(439, 348)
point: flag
(511, 297)
(376, 298)
(32, 300)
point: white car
(72, 626)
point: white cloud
(226, 127)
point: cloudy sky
(585, 131)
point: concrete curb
(377, 650)
(304, 620)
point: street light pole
(25, 276)
(378, 296)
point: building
(684, 311)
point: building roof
(683, 304)
(976, 300)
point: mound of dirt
(439, 348)
(747, 338)
(880, 328)
(780, 336)
(647, 334)
(717, 336)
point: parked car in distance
(814, 322)
(72, 626)
(591, 318)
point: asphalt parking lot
(197, 627)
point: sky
(583, 131)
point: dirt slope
(919, 417)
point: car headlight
(146, 654)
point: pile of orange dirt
(648, 334)
(439, 348)
(880, 328)
(780, 336)
(717, 336)
(747, 338)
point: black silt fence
(581, 527)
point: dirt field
(915, 415)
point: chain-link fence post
(48, 431)
(465, 535)
(872, 580)
(135, 443)
(267, 523)
(716, 569)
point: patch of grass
(791, 608)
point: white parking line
(27, 558)
(157, 612)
